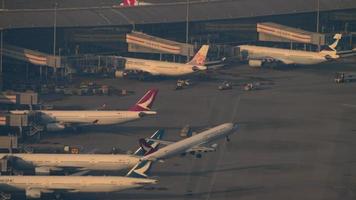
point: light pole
(1, 49)
(187, 29)
(318, 22)
(55, 34)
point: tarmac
(297, 136)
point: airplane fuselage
(161, 68)
(287, 56)
(94, 117)
(59, 162)
(34, 186)
(88, 117)
(182, 146)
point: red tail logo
(129, 3)
(146, 102)
(147, 148)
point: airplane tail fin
(140, 169)
(200, 57)
(129, 3)
(148, 147)
(146, 102)
(332, 47)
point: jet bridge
(27, 123)
(31, 56)
(19, 98)
(143, 43)
(274, 32)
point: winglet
(147, 146)
(146, 102)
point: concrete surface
(297, 138)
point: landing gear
(227, 139)
(198, 155)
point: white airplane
(193, 145)
(258, 56)
(143, 67)
(35, 186)
(45, 164)
(57, 120)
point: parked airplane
(35, 186)
(194, 144)
(44, 164)
(259, 56)
(57, 120)
(133, 3)
(143, 67)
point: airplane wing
(80, 173)
(163, 142)
(345, 54)
(46, 169)
(285, 61)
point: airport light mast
(1, 50)
(55, 35)
(318, 21)
(187, 29)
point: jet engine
(33, 194)
(120, 74)
(255, 63)
(55, 127)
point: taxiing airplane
(194, 144)
(143, 67)
(258, 56)
(35, 186)
(45, 164)
(57, 120)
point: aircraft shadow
(205, 172)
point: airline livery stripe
(285, 34)
(36, 59)
(302, 36)
(152, 42)
(143, 43)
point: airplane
(57, 120)
(45, 164)
(193, 144)
(36, 186)
(133, 3)
(258, 56)
(143, 67)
